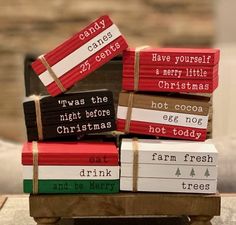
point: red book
(163, 130)
(171, 85)
(80, 55)
(72, 153)
(171, 70)
(174, 56)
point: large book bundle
(166, 95)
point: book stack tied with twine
(168, 166)
(52, 164)
(69, 115)
(92, 141)
(70, 167)
(167, 93)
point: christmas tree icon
(178, 172)
(192, 173)
(207, 174)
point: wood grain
(2, 201)
(124, 204)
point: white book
(179, 152)
(164, 117)
(170, 171)
(73, 172)
(170, 185)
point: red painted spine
(85, 154)
(161, 130)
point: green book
(73, 186)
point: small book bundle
(163, 116)
(169, 106)
(70, 167)
(69, 115)
(80, 55)
(168, 166)
(170, 70)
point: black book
(71, 114)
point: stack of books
(163, 115)
(70, 167)
(166, 94)
(51, 163)
(69, 115)
(171, 70)
(168, 166)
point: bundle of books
(163, 116)
(171, 70)
(69, 115)
(80, 55)
(168, 166)
(70, 167)
(168, 107)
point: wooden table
(49, 209)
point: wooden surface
(16, 211)
(2, 201)
(124, 204)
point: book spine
(161, 130)
(170, 171)
(73, 186)
(72, 115)
(72, 129)
(181, 104)
(71, 101)
(164, 117)
(180, 58)
(172, 85)
(73, 172)
(83, 159)
(159, 157)
(172, 72)
(170, 185)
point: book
(80, 55)
(75, 100)
(73, 186)
(170, 152)
(180, 103)
(170, 171)
(169, 185)
(174, 56)
(73, 129)
(172, 72)
(83, 153)
(172, 85)
(73, 172)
